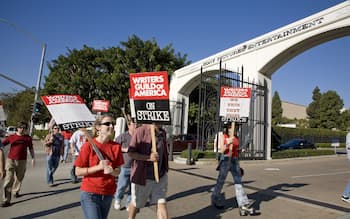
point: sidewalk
(280, 189)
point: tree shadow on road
(231, 203)
(50, 211)
(41, 194)
(279, 190)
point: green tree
(104, 74)
(345, 120)
(313, 110)
(330, 106)
(276, 109)
(17, 106)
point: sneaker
(345, 198)
(17, 195)
(218, 202)
(5, 204)
(117, 205)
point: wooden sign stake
(154, 149)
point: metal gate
(252, 134)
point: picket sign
(149, 102)
(154, 149)
(79, 115)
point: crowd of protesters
(134, 164)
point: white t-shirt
(78, 139)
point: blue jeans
(52, 162)
(95, 206)
(66, 149)
(347, 190)
(123, 184)
(230, 165)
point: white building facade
(260, 57)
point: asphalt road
(289, 188)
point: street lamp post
(37, 89)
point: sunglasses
(55, 128)
(107, 123)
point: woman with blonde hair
(98, 185)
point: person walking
(76, 142)
(16, 162)
(229, 147)
(2, 161)
(143, 182)
(99, 185)
(67, 134)
(346, 194)
(54, 145)
(123, 183)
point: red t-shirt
(99, 183)
(235, 146)
(67, 134)
(19, 145)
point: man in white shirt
(76, 141)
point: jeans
(123, 184)
(347, 190)
(95, 206)
(51, 166)
(73, 177)
(66, 149)
(230, 165)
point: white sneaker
(117, 205)
(345, 199)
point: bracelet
(87, 171)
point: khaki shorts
(152, 191)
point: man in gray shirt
(123, 182)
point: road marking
(272, 169)
(321, 174)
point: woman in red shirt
(98, 185)
(229, 147)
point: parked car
(10, 130)
(180, 142)
(296, 144)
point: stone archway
(261, 57)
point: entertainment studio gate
(252, 132)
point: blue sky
(196, 28)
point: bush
(300, 153)
(282, 134)
(197, 154)
(41, 133)
(329, 145)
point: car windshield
(292, 142)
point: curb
(208, 161)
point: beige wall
(292, 110)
